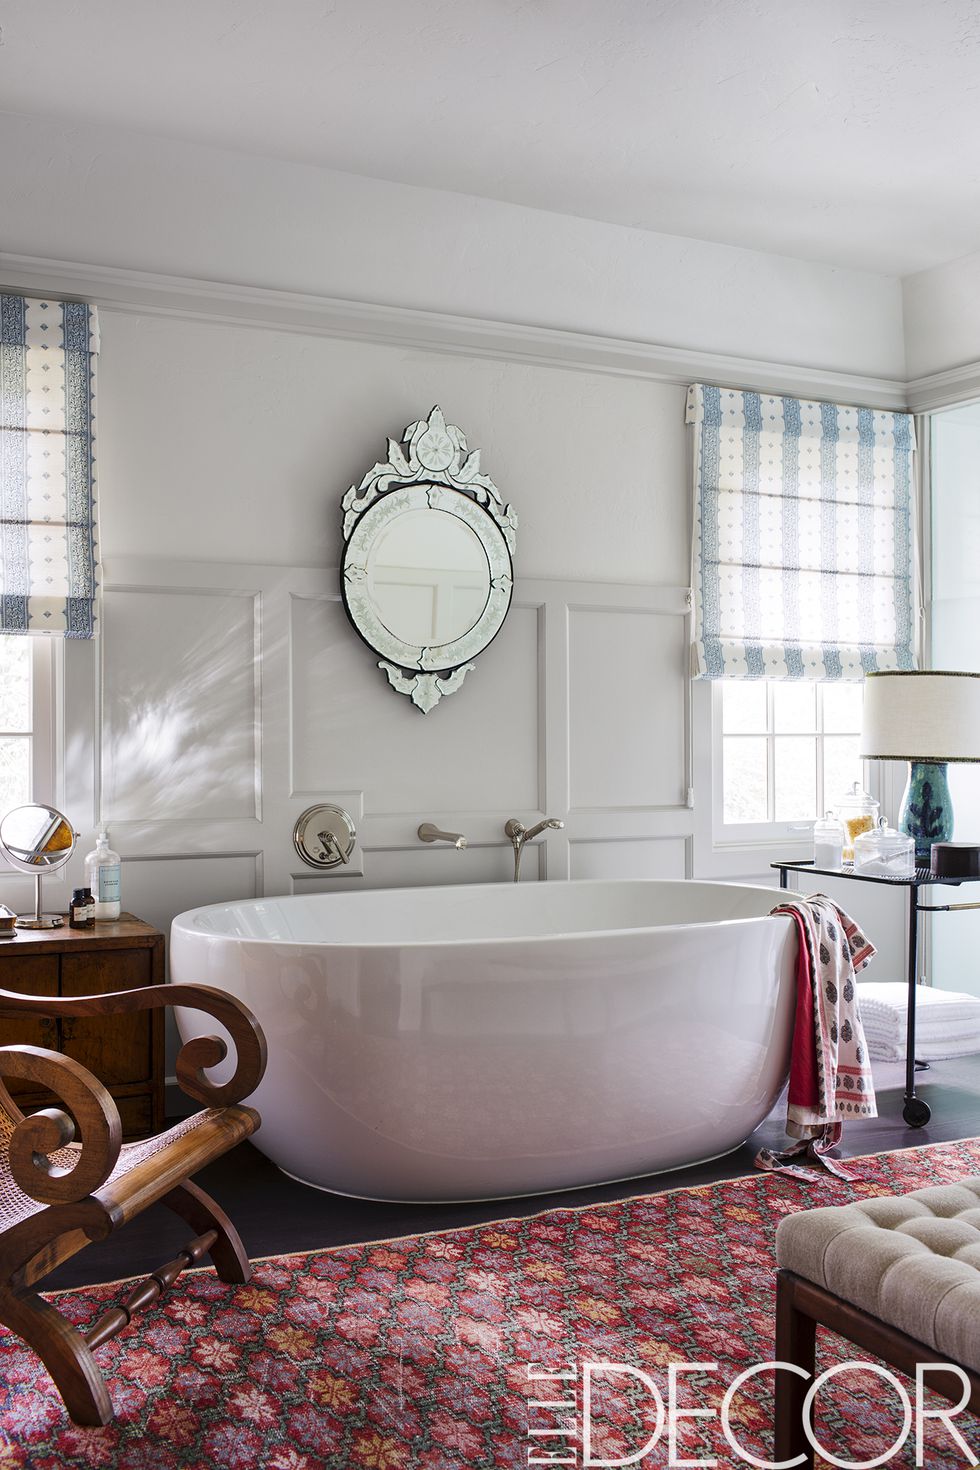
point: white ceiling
(845, 131)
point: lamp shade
(932, 716)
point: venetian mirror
(427, 572)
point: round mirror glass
(428, 577)
(36, 837)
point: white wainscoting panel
(181, 728)
(627, 701)
(236, 695)
(158, 888)
(477, 749)
(653, 857)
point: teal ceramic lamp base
(927, 811)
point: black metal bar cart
(916, 1111)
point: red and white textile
(830, 1077)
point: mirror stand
(37, 920)
(36, 840)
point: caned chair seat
(911, 1261)
(206, 1132)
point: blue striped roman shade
(49, 569)
(804, 562)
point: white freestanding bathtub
(491, 1040)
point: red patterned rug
(414, 1354)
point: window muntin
(788, 751)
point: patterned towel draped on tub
(830, 1071)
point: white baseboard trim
(111, 289)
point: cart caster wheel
(916, 1112)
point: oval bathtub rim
(184, 921)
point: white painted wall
(235, 692)
(81, 193)
(236, 444)
(942, 317)
(955, 440)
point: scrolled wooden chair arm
(34, 1138)
(195, 1055)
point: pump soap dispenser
(102, 874)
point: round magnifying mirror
(428, 577)
(36, 840)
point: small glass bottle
(81, 912)
(102, 869)
(828, 842)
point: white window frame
(47, 699)
(46, 734)
(735, 834)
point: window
(27, 670)
(786, 750)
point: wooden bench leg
(62, 1350)
(202, 1213)
(795, 1343)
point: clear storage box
(883, 852)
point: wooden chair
(66, 1181)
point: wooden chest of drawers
(125, 1053)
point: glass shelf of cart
(923, 876)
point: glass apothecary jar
(828, 842)
(858, 810)
(884, 853)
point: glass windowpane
(744, 707)
(745, 779)
(842, 704)
(15, 684)
(794, 707)
(15, 770)
(841, 766)
(795, 760)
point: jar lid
(883, 839)
(856, 796)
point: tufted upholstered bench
(898, 1275)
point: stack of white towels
(947, 1023)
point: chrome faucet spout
(429, 832)
(520, 835)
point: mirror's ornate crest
(427, 572)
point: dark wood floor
(274, 1214)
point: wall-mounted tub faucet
(521, 835)
(429, 832)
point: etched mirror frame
(430, 469)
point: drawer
(28, 974)
(118, 1049)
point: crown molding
(943, 390)
(116, 289)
